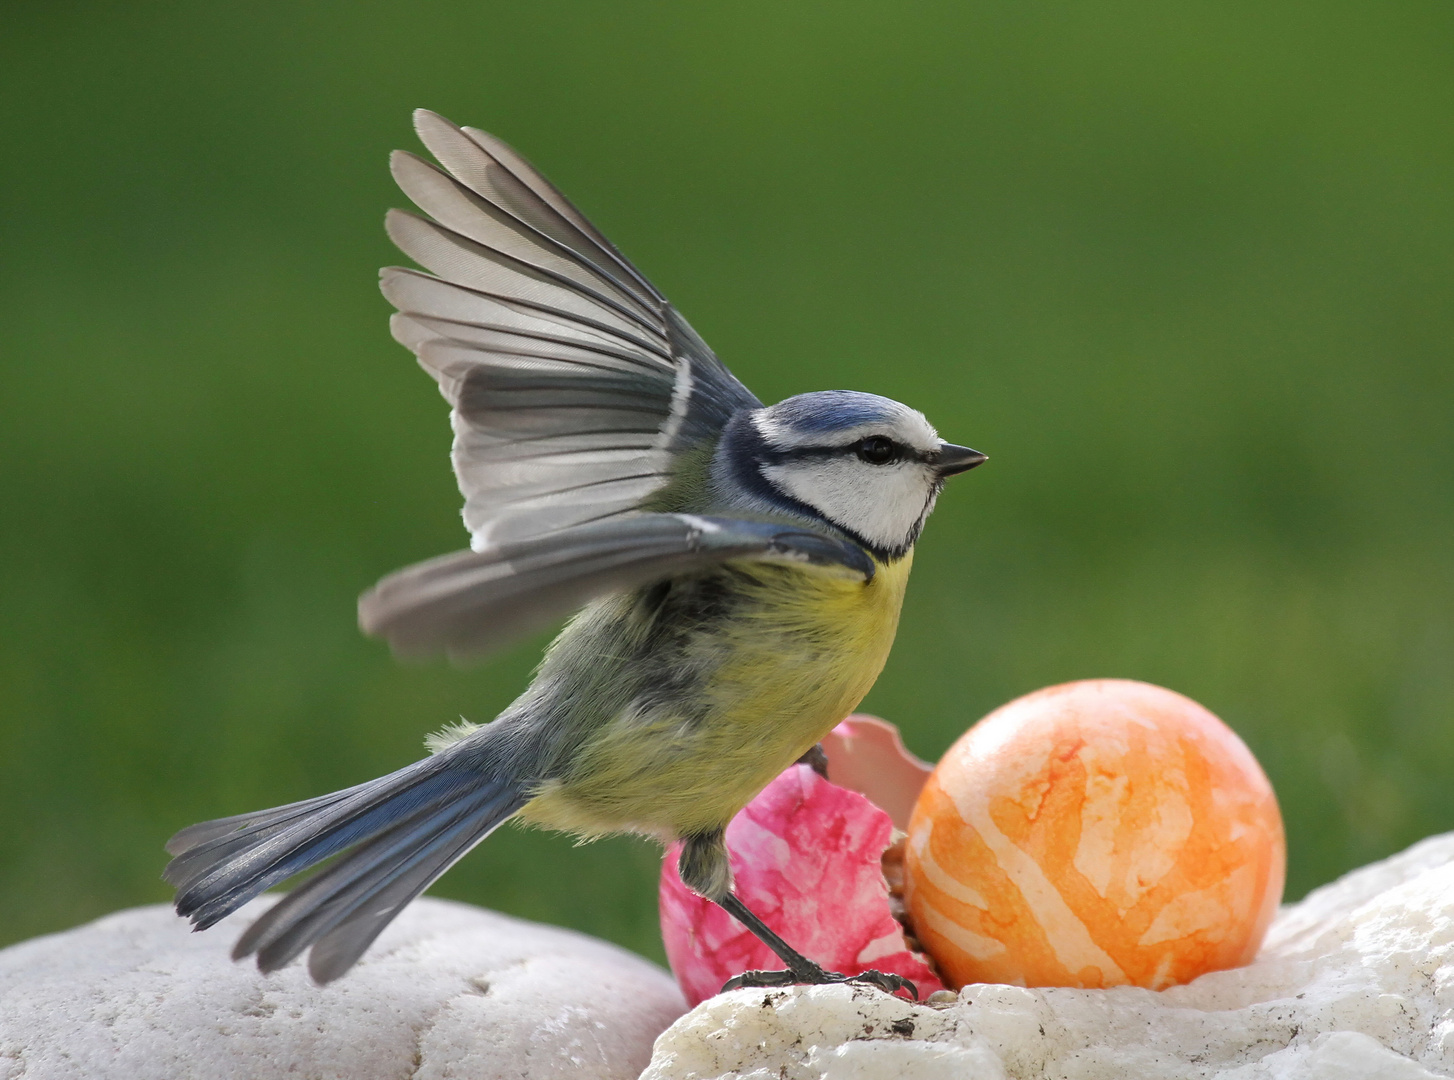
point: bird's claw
(817, 976)
(886, 981)
(756, 979)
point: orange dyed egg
(1094, 834)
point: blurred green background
(1183, 270)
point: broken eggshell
(808, 858)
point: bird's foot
(817, 759)
(813, 975)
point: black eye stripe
(821, 453)
(877, 450)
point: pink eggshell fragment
(806, 858)
(866, 755)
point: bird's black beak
(957, 459)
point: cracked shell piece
(807, 858)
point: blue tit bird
(736, 573)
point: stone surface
(1356, 981)
(448, 991)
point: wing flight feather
(573, 383)
(471, 602)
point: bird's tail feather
(405, 829)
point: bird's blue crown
(826, 411)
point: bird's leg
(705, 870)
(817, 759)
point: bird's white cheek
(881, 503)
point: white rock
(448, 991)
(1356, 981)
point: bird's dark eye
(877, 450)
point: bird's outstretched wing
(573, 382)
(472, 601)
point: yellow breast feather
(801, 650)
